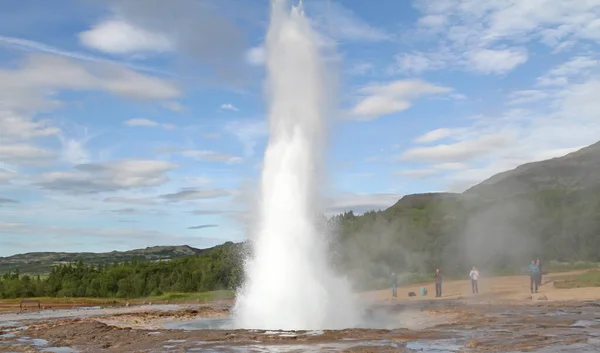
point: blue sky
(125, 126)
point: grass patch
(65, 301)
(588, 279)
(202, 296)
(171, 297)
(555, 266)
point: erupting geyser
(290, 284)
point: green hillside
(548, 209)
(42, 262)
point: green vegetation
(588, 279)
(217, 269)
(42, 262)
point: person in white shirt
(474, 276)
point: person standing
(539, 265)
(394, 285)
(474, 276)
(533, 276)
(438, 283)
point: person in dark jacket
(438, 282)
(394, 285)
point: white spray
(289, 283)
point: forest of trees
(219, 269)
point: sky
(128, 123)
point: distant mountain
(42, 262)
(576, 171)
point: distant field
(11, 304)
(587, 279)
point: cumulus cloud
(197, 31)
(255, 56)
(108, 176)
(392, 97)
(118, 37)
(490, 61)
(229, 106)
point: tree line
(221, 268)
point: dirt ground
(505, 288)
(503, 317)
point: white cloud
(392, 97)
(29, 46)
(563, 119)
(458, 152)
(99, 238)
(18, 127)
(211, 156)
(342, 24)
(24, 154)
(229, 106)
(147, 123)
(489, 61)
(6, 177)
(487, 37)
(196, 31)
(196, 194)
(360, 203)
(574, 69)
(418, 173)
(527, 96)
(483, 24)
(418, 62)
(31, 86)
(109, 176)
(255, 56)
(73, 150)
(451, 166)
(435, 135)
(119, 37)
(129, 200)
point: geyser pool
(289, 283)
